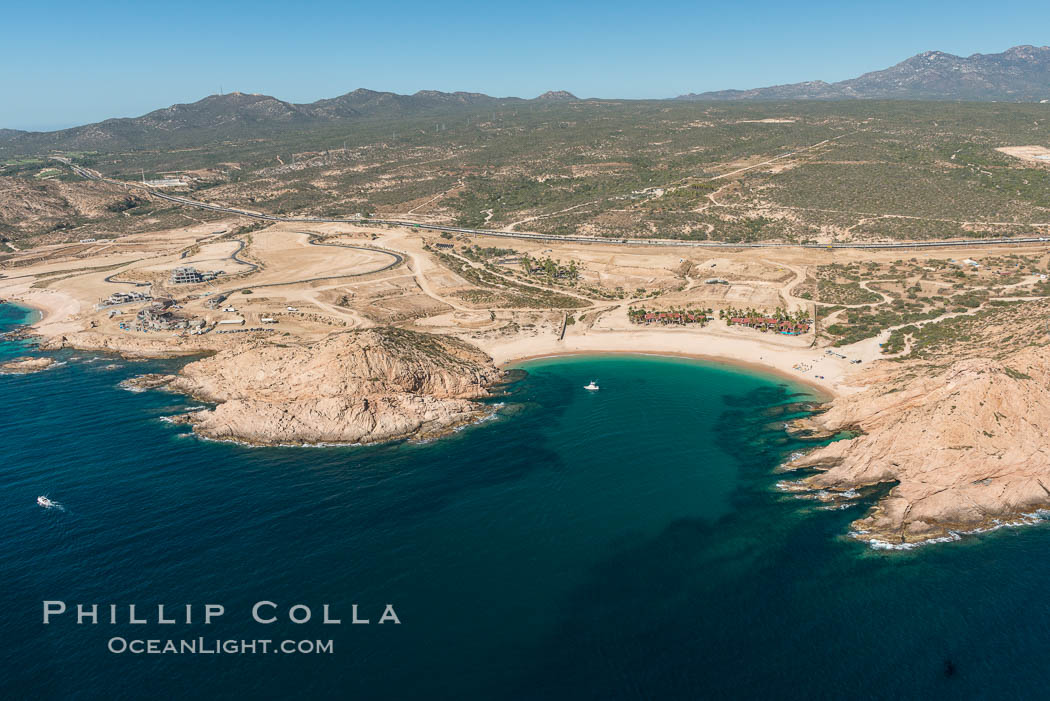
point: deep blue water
(623, 544)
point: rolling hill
(237, 115)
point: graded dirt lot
(209, 256)
(288, 256)
(1034, 154)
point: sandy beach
(826, 373)
(55, 308)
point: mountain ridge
(215, 110)
(1019, 74)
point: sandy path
(780, 157)
(868, 349)
(511, 227)
(419, 264)
(352, 319)
(437, 197)
(535, 286)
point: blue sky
(67, 63)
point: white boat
(44, 502)
(593, 386)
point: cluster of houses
(159, 316)
(647, 318)
(118, 298)
(793, 327)
(768, 323)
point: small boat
(593, 386)
(44, 502)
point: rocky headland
(355, 387)
(965, 446)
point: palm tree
(550, 267)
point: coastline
(29, 308)
(822, 393)
(827, 375)
(761, 356)
(756, 355)
(57, 314)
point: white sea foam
(800, 490)
(1027, 519)
(792, 486)
(247, 444)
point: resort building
(189, 276)
(768, 323)
(118, 298)
(694, 317)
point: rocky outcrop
(145, 382)
(24, 366)
(136, 346)
(966, 448)
(355, 387)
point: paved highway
(967, 243)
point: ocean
(621, 544)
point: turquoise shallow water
(621, 544)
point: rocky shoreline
(127, 347)
(964, 449)
(352, 388)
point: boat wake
(47, 503)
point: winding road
(317, 240)
(185, 201)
